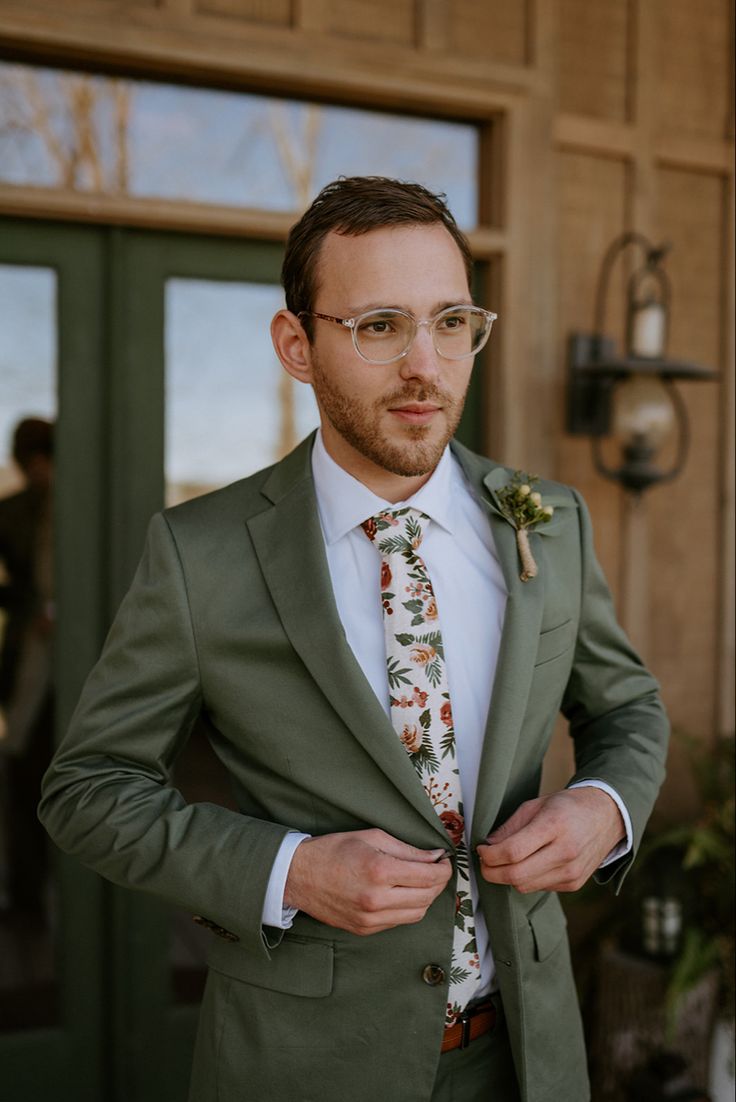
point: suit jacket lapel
(519, 642)
(288, 541)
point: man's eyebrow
(353, 311)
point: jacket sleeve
(617, 720)
(107, 799)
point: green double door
(151, 354)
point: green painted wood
(153, 1036)
(67, 1062)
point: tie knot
(396, 530)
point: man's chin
(413, 457)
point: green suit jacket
(231, 617)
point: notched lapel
(500, 477)
(520, 635)
(514, 670)
(288, 542)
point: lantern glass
(643, 412)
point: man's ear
(292, 346)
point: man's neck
(384, 484)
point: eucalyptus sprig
(523, 508)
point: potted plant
(665, 972)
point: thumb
(516, 822)
(404, 852)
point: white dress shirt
(467, 579)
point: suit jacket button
(433, 974)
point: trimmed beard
(358, 425)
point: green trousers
(482, 1072)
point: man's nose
(422, 361)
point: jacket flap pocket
(297, 966)
(548, 924)
(555, 642)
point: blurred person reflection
(26, 695)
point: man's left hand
(553, 843)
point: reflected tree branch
(298, 158)
(67, 117)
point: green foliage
(696, 860)
(521, 504)
(691, 861)
(699, 954)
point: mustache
(421, 393)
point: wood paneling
(391, 21)
(591, 211)
(594, 58)
(630, 98)
(693, 64)
(494, 30)
(273, 12)
(685, 517)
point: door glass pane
(230, 410)
(28, 911)
(230, 406)
(131, 137)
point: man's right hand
(365, 881)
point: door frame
(68, 1059)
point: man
(388, 890)
(26, 701)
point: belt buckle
(465, 1035)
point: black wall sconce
(633, 396)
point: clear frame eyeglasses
(385, 335)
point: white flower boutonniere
(523, 508)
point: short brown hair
(32, 436)
(354, 205)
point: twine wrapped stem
(529, 566)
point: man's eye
(453, 321)
(379, 327)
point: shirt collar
(344, 502)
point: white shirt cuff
(624, 846)
(274, 911)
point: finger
(385, 843)
(376, 924)
(520, 872)
(418, 874)
(516, 849)
(516, 822)
(550, 869)
(388, 907)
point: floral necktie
(421, 712)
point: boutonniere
(523, 508)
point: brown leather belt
(472, 1023)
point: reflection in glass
(126, 137)
(230, 407)
(27, 408)
(230, 410)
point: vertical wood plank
(311, 15)
(726, 647)
(433, 25)
(686, 516)
(594, 57)
(591, 214)
(178, 9)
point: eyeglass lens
(384, 335)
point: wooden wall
(607, 115)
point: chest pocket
(555, 642)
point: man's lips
(415, 413)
